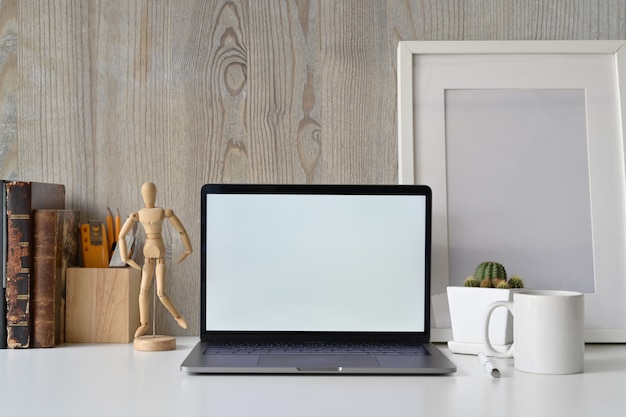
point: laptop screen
(324, 258)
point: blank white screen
(315, 262)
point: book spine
(3, 318)
(23, 197)
(68, 249)
(43, 286)
(55, 248)
(18, 264)
(3, 268)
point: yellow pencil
(109, 220)
(118, 225)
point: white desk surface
(115, 380)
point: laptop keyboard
(323, 348)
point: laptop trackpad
(231, 360)
(311, 362)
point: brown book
(55, 248)
(3, 262)
(21, 199)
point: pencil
(110, 236)
(118, 225)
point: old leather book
(21, 199)
(55, 248)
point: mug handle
(489, 347)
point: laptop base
(435, 363)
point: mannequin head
(148, 192)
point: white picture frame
(426, 70)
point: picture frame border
(407, 141)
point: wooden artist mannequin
(151, 218)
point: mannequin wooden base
(154, 343)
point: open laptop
(322, 279)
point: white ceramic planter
(467, 313)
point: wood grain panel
(275, 87)
(105, 95)
(358, 114)
(211, 87)
(8, 89)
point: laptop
(315, 279)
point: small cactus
(491, 271)
(503, 284)
(471, 282)
(486, 283)
(492, 275)
(516, 282)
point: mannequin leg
(165, 299)
(144, 300)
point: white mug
(548, 331)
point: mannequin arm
(121, 241)
(175, 221)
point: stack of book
(39, 242)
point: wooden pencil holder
(102, 305)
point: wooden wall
(103, 95)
